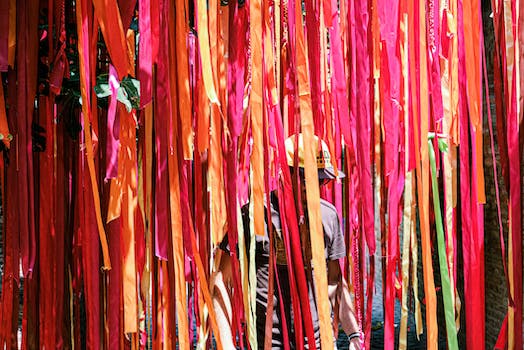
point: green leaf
(102, 90)
(8, 137)
(132, 88)
(122, 97)
(102, 78)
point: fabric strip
(449, 307)
(82, 24)
(108, 16)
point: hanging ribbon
(46, 227)
(4, 128)
(472, 31)
(408, 191)
(421, 154)
(311, 179)
(127, 157)
(448, 87)
(390, 68)
(113, 127)
(181, 15)
(447, 291)
(145, 54)
(26, 61)
(12, 34)
(203, 43)
(11, 243)
(256, 112)
(495, 180)
(82, 27)
(4, 35)
(217, 211)
(110, 21)
(513, 125)
(363, 116)
(174, 166)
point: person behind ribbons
(335, 250)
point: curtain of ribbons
(133, 131)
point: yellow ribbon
(255, 102)
(408, 189)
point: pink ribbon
(4, 34)
(145, 54)
(113, 127)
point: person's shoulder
(326, 206)
(328, 211)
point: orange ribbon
(11, 53)
(128, 177)
(422, 170)
(472, 45)
(110, 22)
(184, 95)
(205, 56)
(81, 21)
(4, 129)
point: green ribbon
(449, 312)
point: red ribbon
(161, 145)
(469, 215)
(27, 54)
(10, 277)
(114, 287)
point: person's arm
(222, 301)
(338, 289)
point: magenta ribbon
(388, 14)
(363, 121)
(515, 206)
(236, 70)
(145, 54)
(434, 69)
(113, 127)
(4, 35)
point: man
(334, 250)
